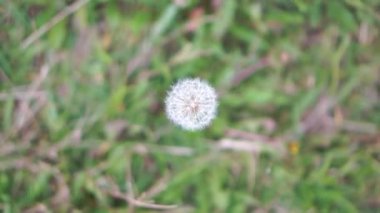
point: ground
(82, 115)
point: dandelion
(191, 104)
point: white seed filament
(191, 104)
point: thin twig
(245, 73)
(141, 204)
(115, 192)
(245, 146)
(129, 184)
(172, 150)
(4, 76)
(154, 190)
(22, 95)
(55, 20)
(26, 112)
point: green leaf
(57, 35)
(285, 17)
(225, 18)
(38, 186)
(116, 101)
(302, 104)
(340, 14)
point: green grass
(82, 122)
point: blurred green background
(82, 123)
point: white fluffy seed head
(191, 104)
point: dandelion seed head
(191, 104)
